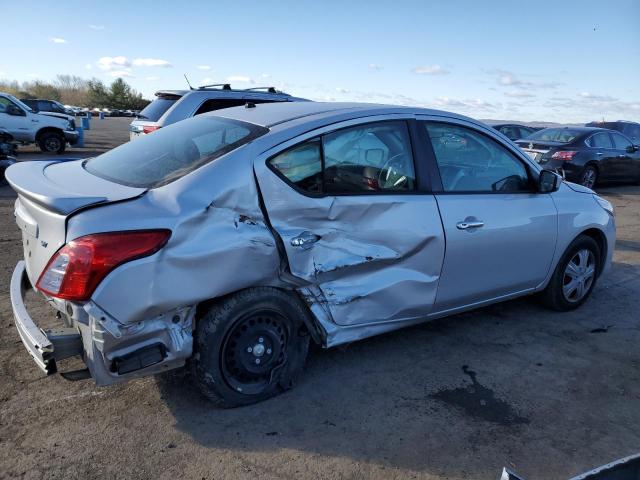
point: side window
(525, 132)
(219, 103)
(472, 162)
(44, 106)
(600, 140)
(620, 142)
(373, 157)
(511, 132)
(301, 165)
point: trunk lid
(48, 194)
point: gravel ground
(547, 394)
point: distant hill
(531, 124)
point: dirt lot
(547, 394)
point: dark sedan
(514, 131)
(585, 155)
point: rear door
(357, 227)
(605, 155)
(500, 233)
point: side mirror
(632, 148)
(549, 181)
(15, 111)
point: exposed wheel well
(600, 239)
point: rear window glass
(172, 152)
(562, 135)
(156, 109)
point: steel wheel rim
(253, 351)
(589, 178)
(579, 275)
(52, 144)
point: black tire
(52, 142)
(554, 295)
(589, 177)
(225, 362)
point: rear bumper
(45, 347)
(113, 352)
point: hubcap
(52, 144)
(589, 178)
(579, 275)
(253, 350)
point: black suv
(38, 105)
(630, 129)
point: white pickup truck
(51, 133)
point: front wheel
(575, 275)
(52, 142)
(250, 346)
(589, 177)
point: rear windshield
(171, 152)
(156, 109)
(562, 135)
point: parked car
(7, 152)
(514, 131)
(171, 106)
(585, 155)
(47, 107)
(50, 131)
(630, 129)
(235, 237)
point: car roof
(272, 114)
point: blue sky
(564, 61)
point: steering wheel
(390, 175)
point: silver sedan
(233, 240)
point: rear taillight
(150, 128)
(564, 155)
(74, 272)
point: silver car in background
(234, 239)
(171, 106)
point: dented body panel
(374, 262)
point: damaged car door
(358, 229)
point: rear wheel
(589, 177)
(250, 346)
(575, 275)
(52, 142)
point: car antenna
(185, 77)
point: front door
(14, 120)
(500, 234)
(627, 163)
(356, 228)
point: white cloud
(375, 66)
(96, 27)
(597, 98)
(518, 94)
(152, 78)
(207, 81)
(120, 73)
(57, 40)
(88, 66)
(32, 75)
(265, 75)
(506, 78)
(342, 90)
(431, 70)
(151, 62)
(239, 79)
(203, 67)
(110, 63)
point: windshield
(562, 135)
(172, 152)
(158, 107)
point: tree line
(79, 92)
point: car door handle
(304, 239)
(598, 153)
(467, 225)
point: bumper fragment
(44, 347)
